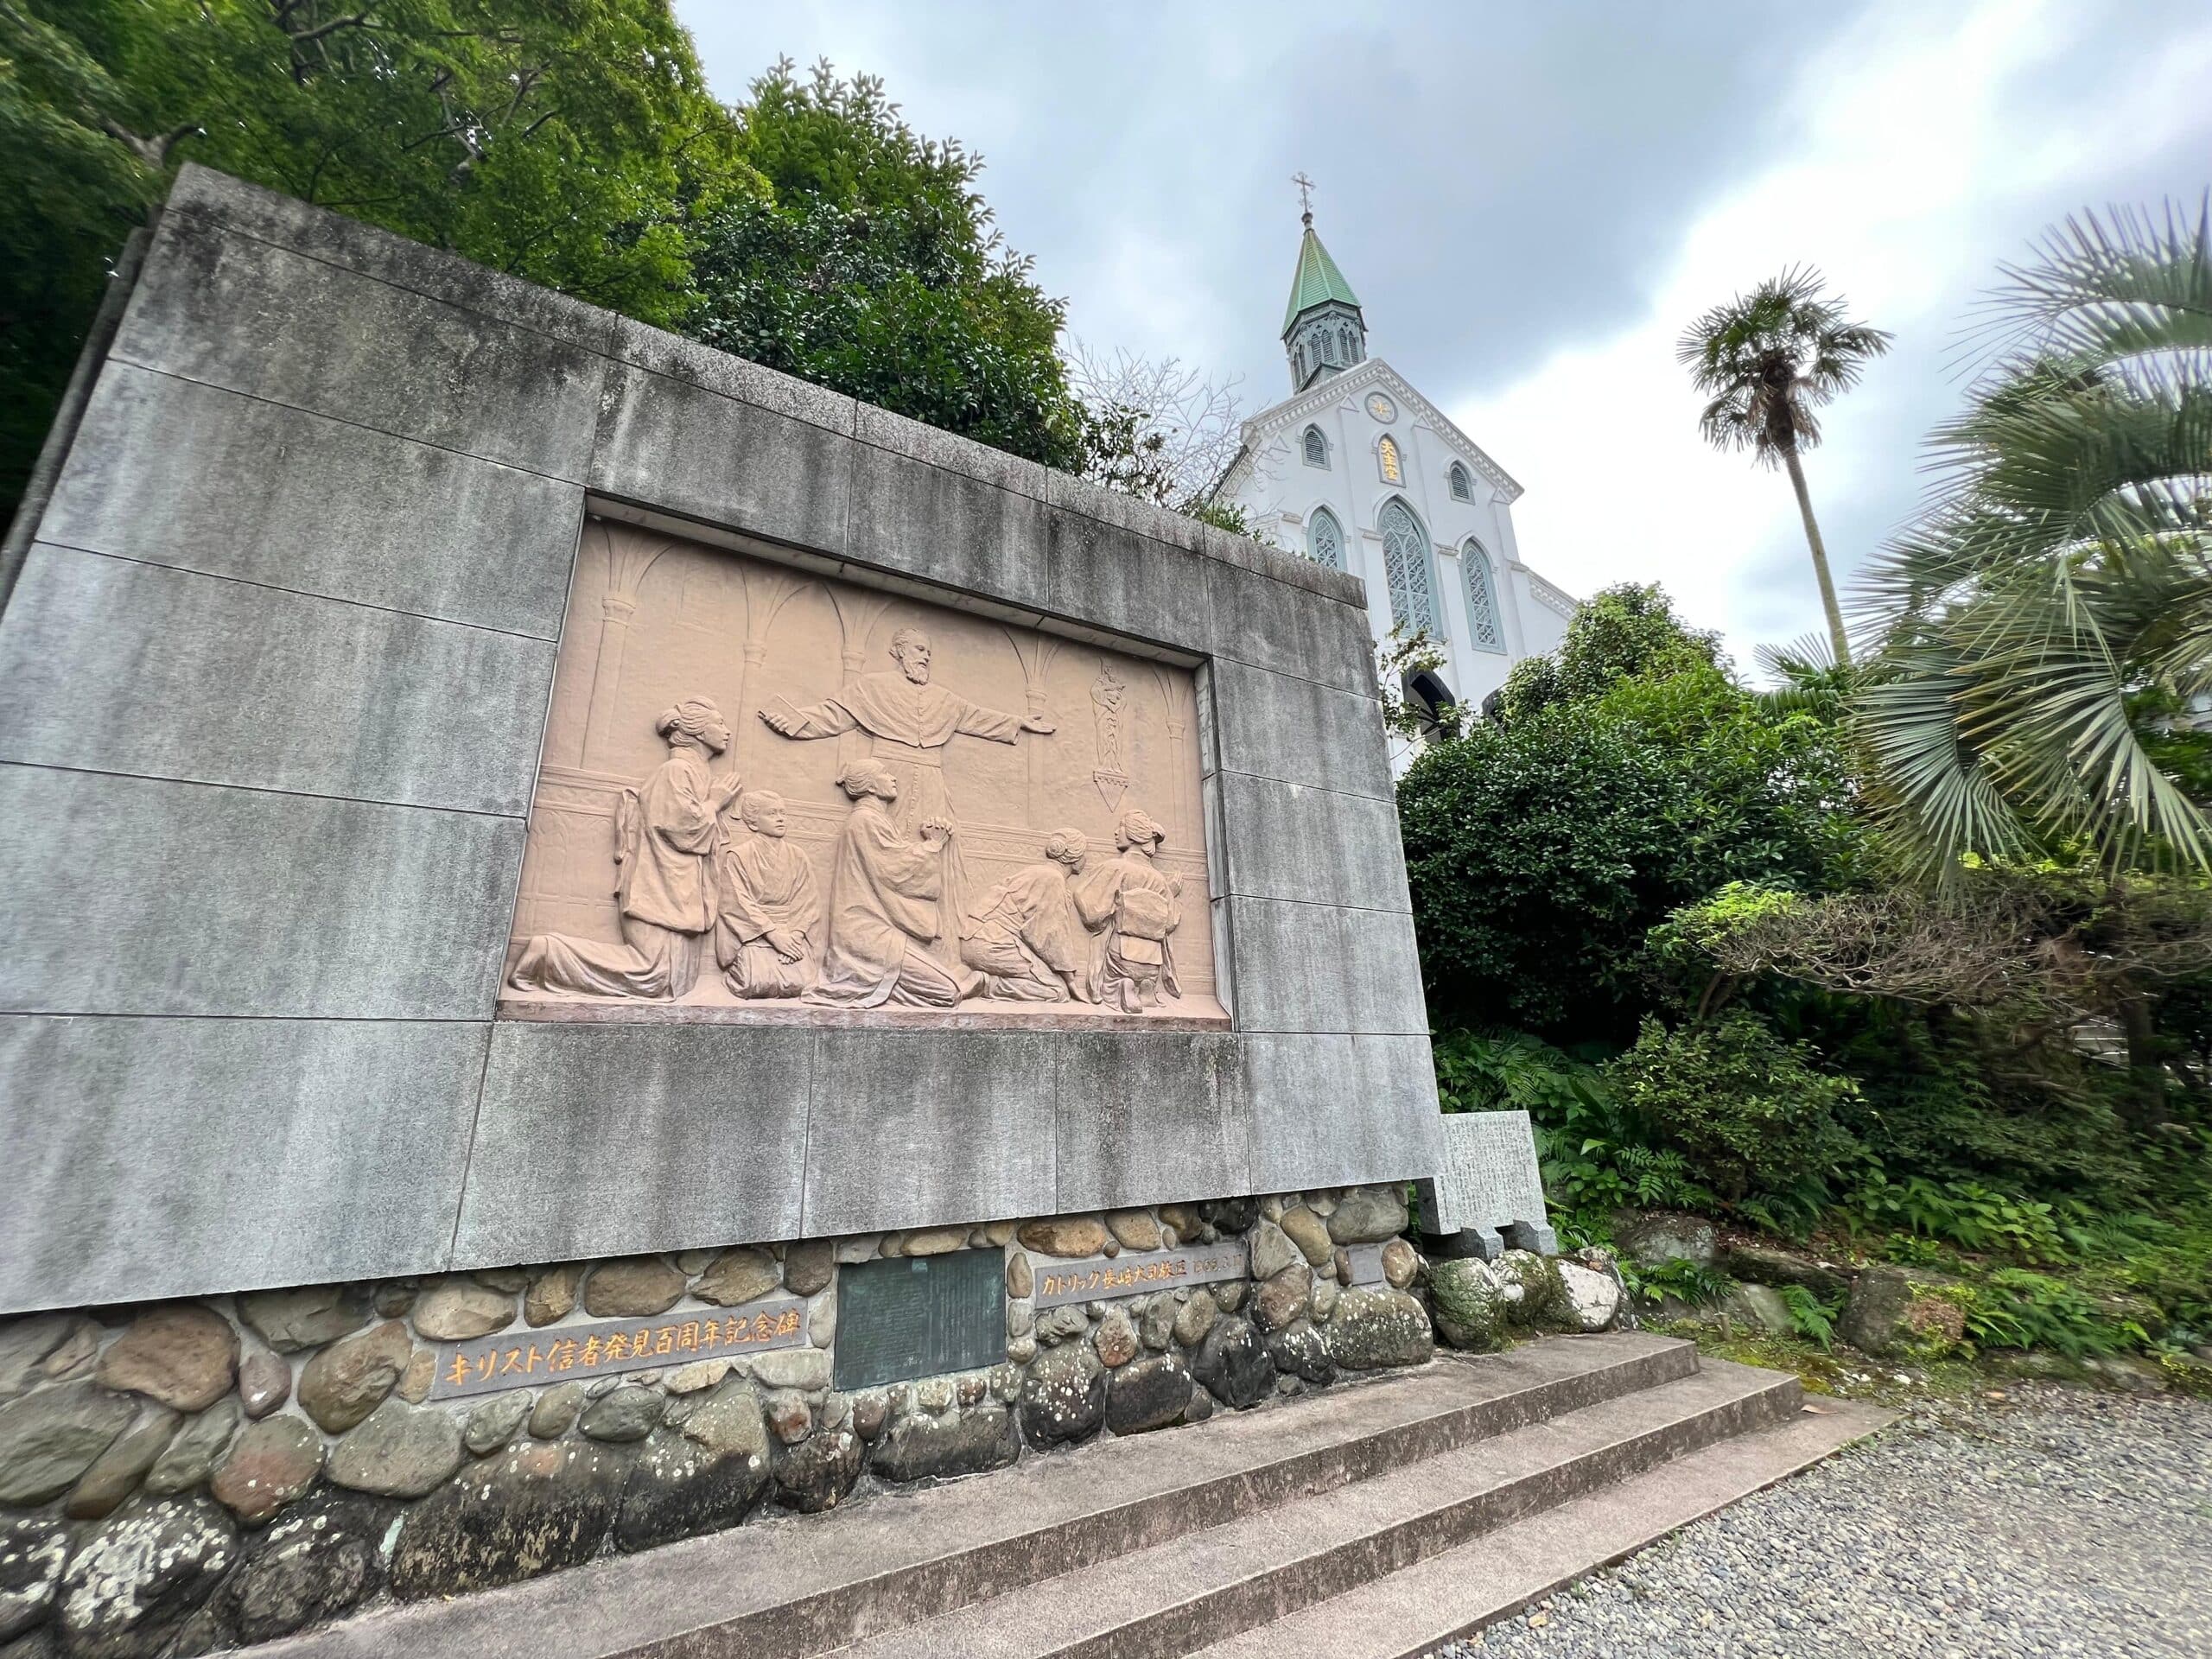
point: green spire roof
(1319, 280)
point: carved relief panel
(769, 794)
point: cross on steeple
(1304, 195)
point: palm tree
(2051, 610)
(1767, 359)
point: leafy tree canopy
(1541, 849)
(870, 265)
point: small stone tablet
(1489, 1187)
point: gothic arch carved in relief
(774, 790)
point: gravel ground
(2054, 1522)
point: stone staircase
(1376, 1519)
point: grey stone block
(1286, 726)
(672, 444)
(168, 673)
(1337, 1111)
(1321, 968)
(1150, 1118)
(1316, 846)
(334, 509)
(1268, 624)
(133, 895)
(928, 1128)
(658, 351)
(918, 440)
(924, 520)
(202, 194)
(157, 1158)
(234, 312)
(607, 1140)
(1130, 584)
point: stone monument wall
(381, 602)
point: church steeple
(1323, 332)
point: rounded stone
(627, 1413)
(808, 1265)
(1063, 1397)
(272, 1462)
(1652, 1238)
(869, 1411)
(1020, 1317)
(400, 1451)
(1229, 1215)
(1201, 1408)
(1195, 1317)
(1309, 1232)
(636, 1287)
(698, 1375)
(1229, 1296)
(791, 1367)
(817, 1476)
(737, 1277)
(456, 1309)
(552, 1294)
(264, 1383)
(1115, 1340)
(1468, 1303)
(1400, 1263)
(135, 1579)
(1149, 1393)
(789, 1415)
(314, 1563)
(416, 1382)
(678, 1489)
(1134, 1229)
(1368, 1215)
(1018, 1279)
(1156, 1321)
(1062, 1323)
(1374, 1327)
(1233, 1363)
(1021, 1350)
(1596, 1298)
(1064, 1235)
(1323, 1301)
(49, 1438)
(192, 1456)
(935, 1241)
(306, 1317)
(492, 1424)
(822, 1321)
(392, 1297)
(557, 1410)
(33, 1549)
(960, 1443)
(1283, 1297)
(1272, 1252)
(183, 1355)
(344, 1383)
(534, 1507)
(25, 1345)
(1299, 1351)
(115, 1474)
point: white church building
(1357, 471)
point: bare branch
(154, 152)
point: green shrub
(1757, 1118)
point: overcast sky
(1533, 200)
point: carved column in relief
(628, 558)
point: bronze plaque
(919, 1316)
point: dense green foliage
(870, 265)
(573, 142)
(1636, 776)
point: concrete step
(1413, 1612)
(1175, 1597)
(783, 1587)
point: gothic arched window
(1386, 457)
(1482, 598)
(1324, 539)
(1407, 569)
(1463, 487)
(1316, 447)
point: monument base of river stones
(601, 940)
